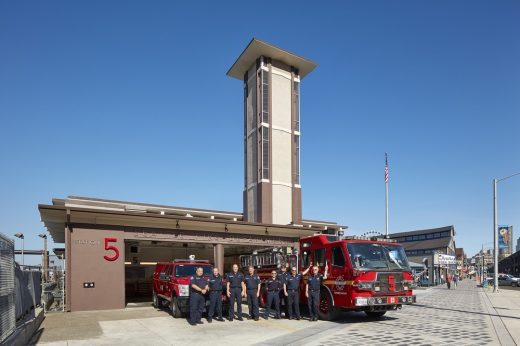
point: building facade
(435, 248)
(111, 247)
(271, 77)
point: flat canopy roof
(95, 211)
(257, 48)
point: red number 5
(111, 247)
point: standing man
(273, 286)
(312, 290)
(292, 291)
(282, 276)
(252, 288)
(215, 295)
(198, 288)
(234, 292)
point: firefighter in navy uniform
(234, 292)
(282, 276)
(312, 291)
(291, 289)
(198, 288)
(216, 284)
(252, 288)
(273, 285)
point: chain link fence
(7, 288)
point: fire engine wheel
(174, 307)
(375, 314)
(327, 310)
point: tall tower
(271, 76)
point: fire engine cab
(369, 274)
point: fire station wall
(151, 253)
(88, 265)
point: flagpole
(386, 194)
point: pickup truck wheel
(157, 301)
(327, 310)
(174, 307)
(375, 314)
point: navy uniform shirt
(293, 282)
(215, 282)
(315, 281)
(235, 280)
(198, 281)
(252, 281)
(282, 277)
(273, 284)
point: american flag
(386, 168)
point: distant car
(508, 280)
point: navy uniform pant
(314, 303)
(283, 298)
(293, 300)
(252, 302)
(215, 304)
(196, 307)
(273, 296)
(235, 294)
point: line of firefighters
(248, 286)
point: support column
(218, 257)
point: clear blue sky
(129, 100)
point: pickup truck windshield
(367, 256)
(189, 270)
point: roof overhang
(257, 48)
(56, 218)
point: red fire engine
(367, 274)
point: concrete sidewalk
(505, 307)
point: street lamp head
(42, 235)
(19, 235)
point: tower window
(296, 159)
(265, 152)
(265, 96)
(296, 90)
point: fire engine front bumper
(380, 301)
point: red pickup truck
(171, 282)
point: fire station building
(111, 247)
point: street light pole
(45, 257)
(495, 238)
(495, 229)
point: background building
(434, 247)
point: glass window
(296, 106)
(429, 236)
(297, 159)
(265, 96)
(265, 152)
(189, 270)
(305, 258)
(409, 238)
(337, 257)
(319, 257)
(377, 256)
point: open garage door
(141, 257)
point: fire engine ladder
(266, 259)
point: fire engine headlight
(379, 300)
(410, 299)
(184, 290)
(361, 301)
(371, 301)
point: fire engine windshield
(366, 256)
(189, 270)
